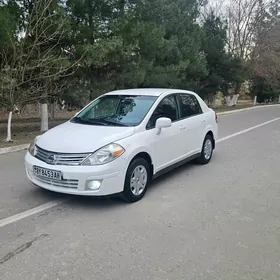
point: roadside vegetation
(57, 55)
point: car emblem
(51, 159)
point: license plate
(46, 173)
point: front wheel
(136, 180)
(207, 150)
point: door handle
(203, 121)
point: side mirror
(162, 123)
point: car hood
(79, 138)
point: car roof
(147, 91)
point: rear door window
(189, 105)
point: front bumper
(75, 178)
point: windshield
(116, 110)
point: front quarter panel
(137, 143)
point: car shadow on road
(172, 175)
(75, 201)
(37, 192)
(111, 202)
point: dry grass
(26, 128)
(23, 130)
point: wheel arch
(210, 133)
(145, 155)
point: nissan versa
(121, 140)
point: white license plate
(47, 173)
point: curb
(246, 109)
(14, 149)
(25, 146)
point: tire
(207, 150)
(140, 170)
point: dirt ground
(25, 129)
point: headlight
(31, 148)
(104, 155)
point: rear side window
(167, 108)
(189, 105)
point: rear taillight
(216, 117)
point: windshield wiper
(99, 121)
(89, 121)
(112, 122)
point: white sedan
(122, 140)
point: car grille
(54, 158)
(71, 184)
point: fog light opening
(94, 185)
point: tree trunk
(52, 110)
(62, 104)
(255, 101)
(237, 89)
(234, 99)
(9, 127)
(44, 117)
(228, 101)
(214, 101)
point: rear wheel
(207, 150)
(137, 180)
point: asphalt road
(220, 221)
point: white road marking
(246, 130)
(30, 212)
(54, 203)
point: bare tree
(35, 62)
(266, 62)
(244, 17)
